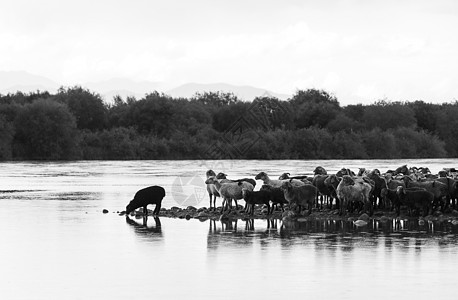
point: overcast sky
(359, 50)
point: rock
(224, 216)
(105, 211)
(122, 213)
(201, 209)
(421, 222)
(188, 216)
(202, 214)
(288, 214)
(191, 208)
(364, 217)
(360, 223)
(384, 219)
(454, 222)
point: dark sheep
(415, 199)
(150, 195)
(277, 196)
(379, 185)
(301, 195)
(390, 197)
(323, 190)
(438, 189)
(260, 197)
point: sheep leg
(157, 209)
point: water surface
(57, 243)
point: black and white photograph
(214, 149)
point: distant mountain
(244, 92)
(124, 84)
(123, 87)
(13, 81)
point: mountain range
(13, 81)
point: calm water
(57, 244)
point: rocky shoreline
(204, 214)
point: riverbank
(359, 219)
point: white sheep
(230, 190)
(277, 183)
(349, 191)
(211, 189)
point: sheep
(300, 195)
(451, 188)
(225, 180)
(331, 182)
(260, 197)
(345, 171)
(379, 185)
(439, 190)
(323, 189)
(229, 190)
(349, 191)
(389, 196)
(277, 196)
(277, 183)
(320, 171)
(211, 189)
(304, 178)
(150, 195)
(418, 198)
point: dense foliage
(75, 123)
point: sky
(360, 51)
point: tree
(425, 113)
(314, 108)
(217, 99)
(45, 129)
(6, 138)
(447, 127)
(152, 115)
(387, 115)
(87, 107)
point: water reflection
(332, 234)
(144, 228)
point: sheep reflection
(145, 228)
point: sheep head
(347, 180)
(210, 180)
(221, 175)
(284, 176)
(286, 186)
(210, 173)
(320, 170)
(261, 176)
(400, 190)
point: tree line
(76, 124)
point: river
(57, 243)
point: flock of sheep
(414, 189)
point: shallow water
(57, 243)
